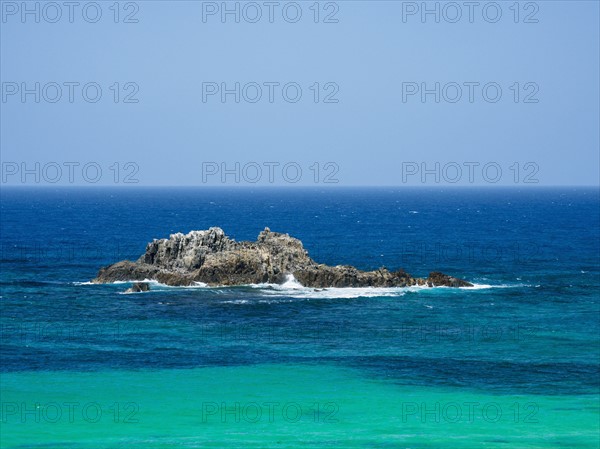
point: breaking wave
(291, 288)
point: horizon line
(288, 186)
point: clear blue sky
(371, 136)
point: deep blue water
(533, 329)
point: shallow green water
(278, 406)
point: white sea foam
(293, 289)
(336, 293)
(477, 286)
(152, 282)
(291, 283)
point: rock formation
(138, 287)
(213, 258)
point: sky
(346, 93)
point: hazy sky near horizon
(300, 93)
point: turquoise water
(287, 406)
(512, 363)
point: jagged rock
(437, 279)
(138, 287)
(213, 258)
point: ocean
(511, 363)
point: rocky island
(213, 258)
